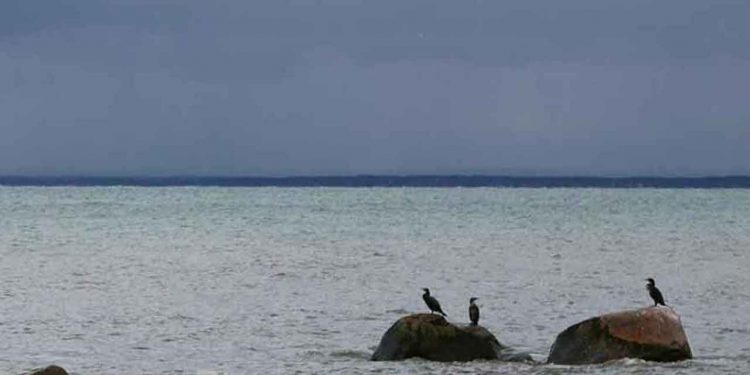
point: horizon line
(384, 180)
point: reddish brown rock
(652, 334)
(430, 336)
(49, 370)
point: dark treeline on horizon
(388, 181)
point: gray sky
(236, 87)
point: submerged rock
(652, 334)
(49, 370)
(430, 336)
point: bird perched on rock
(431, 302)
(473, 311)
(654, 292)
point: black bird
(431, 302)
(473, 311)
(654, 292)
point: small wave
(312, 353)
(210, 372)
(75, 336)
(722, 358)
(181, 317)
(351, 354)
(397, 311)
(538, 358)
(733, 330)
(625, 362)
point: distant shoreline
(388, 181)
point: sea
(284, 280)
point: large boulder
(652, 334)
(430, 336)
(49, 370)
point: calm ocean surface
(123, 280)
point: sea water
(202, 280)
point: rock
(652, 334)
(430, 336)
(49, 370)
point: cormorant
(473, 311)
(654, 292)
(431, 302)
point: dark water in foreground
(287, 280)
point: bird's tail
(444, 314)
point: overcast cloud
(235, 87)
